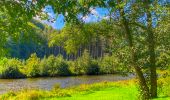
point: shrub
(31, 68)
(50, 64)
(57, 66)
(43, 67)
(84, 61)
(11, 69)
(62, 66)
(112, 64)
(3, 61)
(81, 65)
(71, 66)
(163, 86)
(107, 65)
(84, 65)
(93, 69)
(75, 67)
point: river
(48, 82)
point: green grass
(104, 94)
(122, 90)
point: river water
(48, 83)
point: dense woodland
(134, 38)
(38, 41)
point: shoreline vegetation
(120, 90)
(11, 68)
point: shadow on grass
(162, 98)
(89, 92)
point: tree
(14, 16)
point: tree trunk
(142, 81)
(129, 37)
(151, 49)
(153, 76)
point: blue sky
(96, 15)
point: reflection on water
(47, 83)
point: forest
(128, 38)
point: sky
(96, 15)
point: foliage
(111, 64)
(61, 66)
(163, 82)
(36, 41)
(94, 68)
(31, 68)
(54, 66)
(3, 61)
(107, 65)
(11, 68)
(58, 66)
(44, 67)
(49, 65)
(79, 66)
(84, 65)
(85, 62)
(163, 61)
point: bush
(43, 67)
(3, 61)
(112, 64)
(71, 66)
(84, 65)
(93, 69)
(85, 62)
(107, 65)
(50, 65)
(62, 66)
(31, 68)
(57, 66)
(11, 69)
(81, 65)
(163, 86)
(75, 67)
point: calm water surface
(48, 83)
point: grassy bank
(121, 90)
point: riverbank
(121, 90)
(55, 66)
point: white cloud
(93, 11)
(92, 17)
(89, 18)
(106, 17)
(85, 18)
